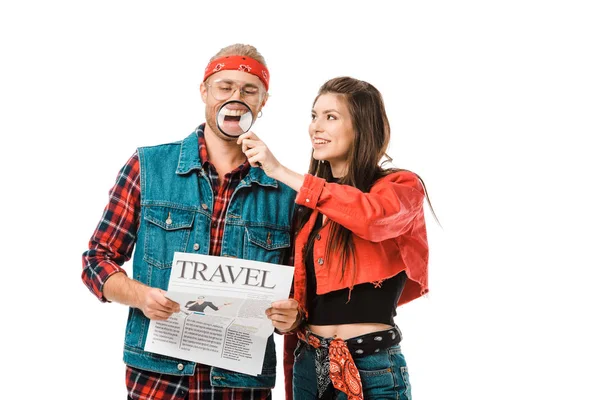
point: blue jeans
(383, 375)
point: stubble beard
(211, 121)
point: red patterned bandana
(342, 370)
(334, 364)
(239, 63)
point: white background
(494, 104)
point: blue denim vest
(174, 186)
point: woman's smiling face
(331, 132)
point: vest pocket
(167, 231)
(266, 244)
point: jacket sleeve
(387, 211)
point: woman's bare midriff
(347, 331)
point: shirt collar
(194, 155)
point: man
(199, 195)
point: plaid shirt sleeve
(113, 240)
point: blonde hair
(239, 49)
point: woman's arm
(385, 212)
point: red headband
(239, 63)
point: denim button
(204, 206)
(180, 367)
(196, 246)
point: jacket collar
(189, 160)
(189, 154)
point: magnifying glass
(234, 118)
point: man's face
(237, 79)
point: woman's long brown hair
(371, 139)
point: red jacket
(389, 237)
(388, 228)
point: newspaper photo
(222, 320)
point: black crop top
(368, 303)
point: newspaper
(222, 321)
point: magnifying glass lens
(234, 118)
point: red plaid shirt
(112, 244)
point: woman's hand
(259, 154)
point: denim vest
(174, 187)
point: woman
(360, 249)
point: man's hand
(284, 314)
(155, 305)
(151, 301)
